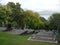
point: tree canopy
(5, 13)
(12, 13)
(54, 21)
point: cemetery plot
(2, 28)
(17, 31)
(44, 37)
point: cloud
(37, 5)
(41, 4)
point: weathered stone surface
(17, 31)
(44, 36)
(2, 28)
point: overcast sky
(37, 5)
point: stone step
(43, 38)
(45, 34)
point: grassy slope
(59, 36)
(10, 39)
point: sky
(37, 5)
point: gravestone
(44, 37)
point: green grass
(59, 36)
(59, 39)
(11, 39)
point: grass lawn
(12, 39)
(59, 39)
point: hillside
(10, 39)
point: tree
(16, 12)
(5, 11)
(44, 23)
(32, 19)
(54, 21)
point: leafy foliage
(54, 21)
(5, 12)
